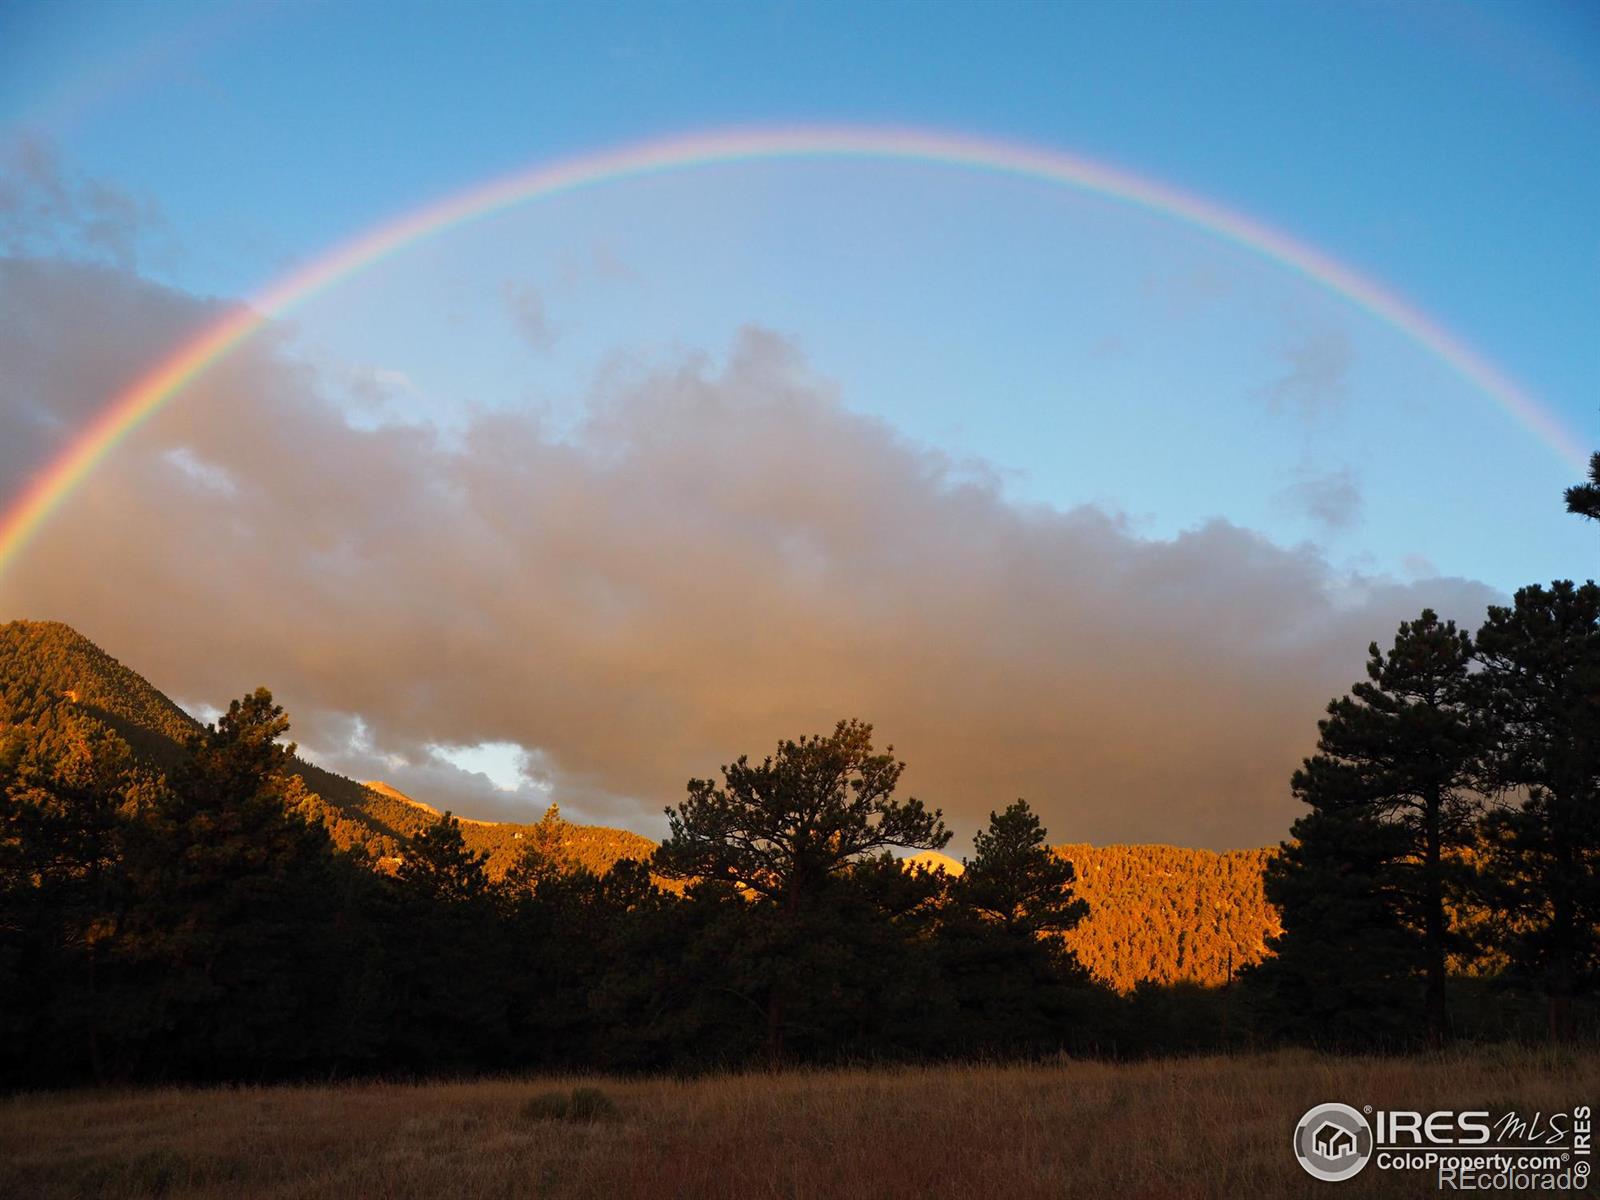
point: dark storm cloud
(718, 555)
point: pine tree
(588, 946)
(543, 855)
(1541, 685)
(1583, 499)
(438, 867)
(1016, 985)
(1344, 971)
(781, 829)
(1017, 880)
(784, 829)
(445, 953)
(1403, 749)
(64, 815)
(231, 946)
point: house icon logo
(1333, 1142)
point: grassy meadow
(1201, 1127)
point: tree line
(195, 918)
(1453, 826)
(197, 923)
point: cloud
(599, 264)
(72, 335)
(527, 310)
(1316, 380)
(1188, 290)
(1112, 346)
(1332, 501)
(526, 304)
(344, 744)
(719, 554)
(1418, 566)
(43, 210)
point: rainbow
(45, 493)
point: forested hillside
(46, 666)
(593, 847)
(1167, 914)
(1161, 914)
(56, 684)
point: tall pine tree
(1016, 879)
(1402, 750)
(1540, 683)
(1346, 968)
(1016, 985)
(232, 945)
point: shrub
(583, 1105)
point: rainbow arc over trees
(26, 512)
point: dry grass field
(1210, 1127)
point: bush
(583, 1105)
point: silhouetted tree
(64, 815)
(1016, 879)
(687, 983)
(443, 934)
(437, 866)
(1541, 685)
(1584, 498)
(1403, 748)
(230, 934)
(1016, 986)
(570, 939)
(785, 828)
(1345, 969)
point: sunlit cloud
(719, 553)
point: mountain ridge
(48, 668)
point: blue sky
(1394, 135)
(1452, 151)
(1076, 350)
